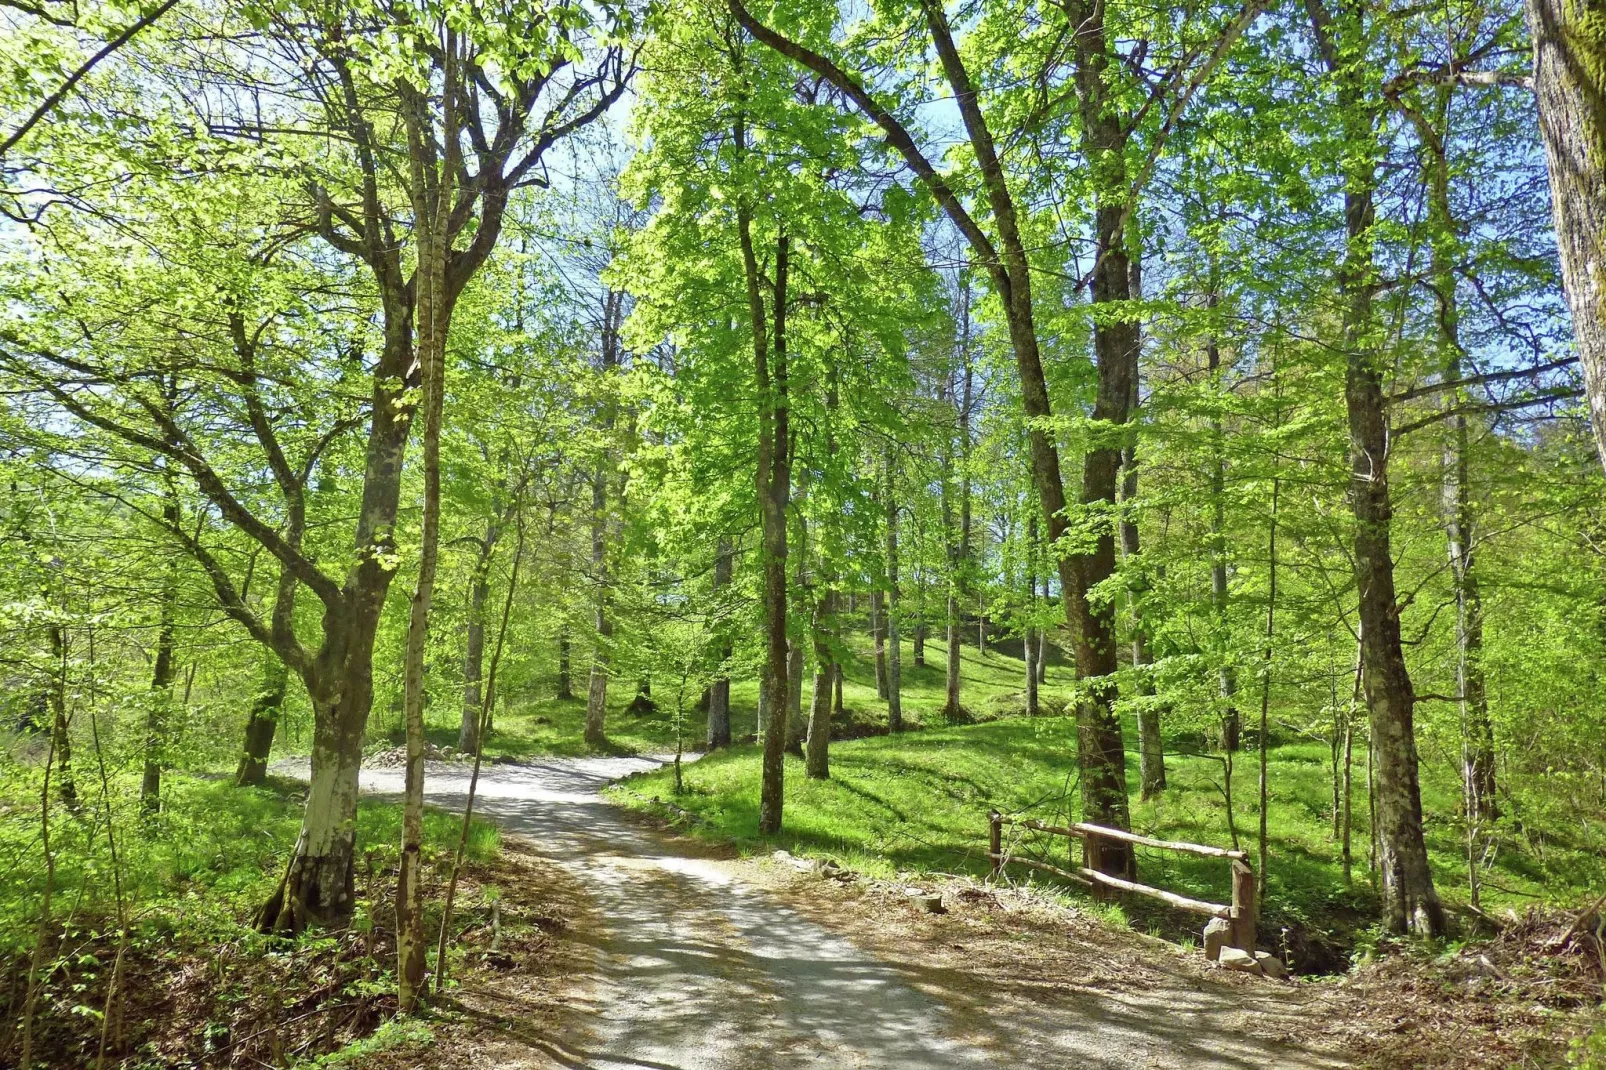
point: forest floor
(684, 955)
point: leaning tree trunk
(1569, 39)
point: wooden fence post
(995, 841)
(1243, 906)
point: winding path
(698, 970)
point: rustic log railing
(1239, 914)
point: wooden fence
(1240, 913)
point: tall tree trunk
(596, 726)
(1460, 520)
(774, 479)
(1569, 40)
(796, 655)
(263, 722)
(878, 631)
(432, 201)
(565, 673)
(719, 692)
(1029, 652)
(1115, 346)
(817, 756)
(1151, 749)
(1409, 899)
(60, 729)
(468, 735)
(161, 693)
(894, 641)
(1231, 719)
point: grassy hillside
(918, 801)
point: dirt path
(696, 966)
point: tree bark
(565, 675)
(878, 631)
(468, 736)
(1460, 519)
(816, 764)
(60, 729)
(773, 479)
(1029, 653)
(263, 722)
(1151, 748)
(894, 648)
(432, 203)
(719, 692)
(1227, 681)
(596, 725)
(1569, 42)
(1410, 901)
(161, 692)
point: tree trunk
(1028, 647)
(1151, 749)
(432, 201)
(317, 888)
(719, 692)
(774, 486)
(1477, 734)
(596, 728)
(1231, 719)
(1569, 41)
(161, 692)
(816, 758)
(468, 740)
(878, 630)
(894, 648)
(264, 722)
(60, 729)
(1409, 899)
(565, 686)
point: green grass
(918, 801)
(991, 684)
(213, 854)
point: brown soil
(232, 999)
(1001, 956)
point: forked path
(696, 968)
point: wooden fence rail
(1239, 914)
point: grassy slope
(918, 801)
